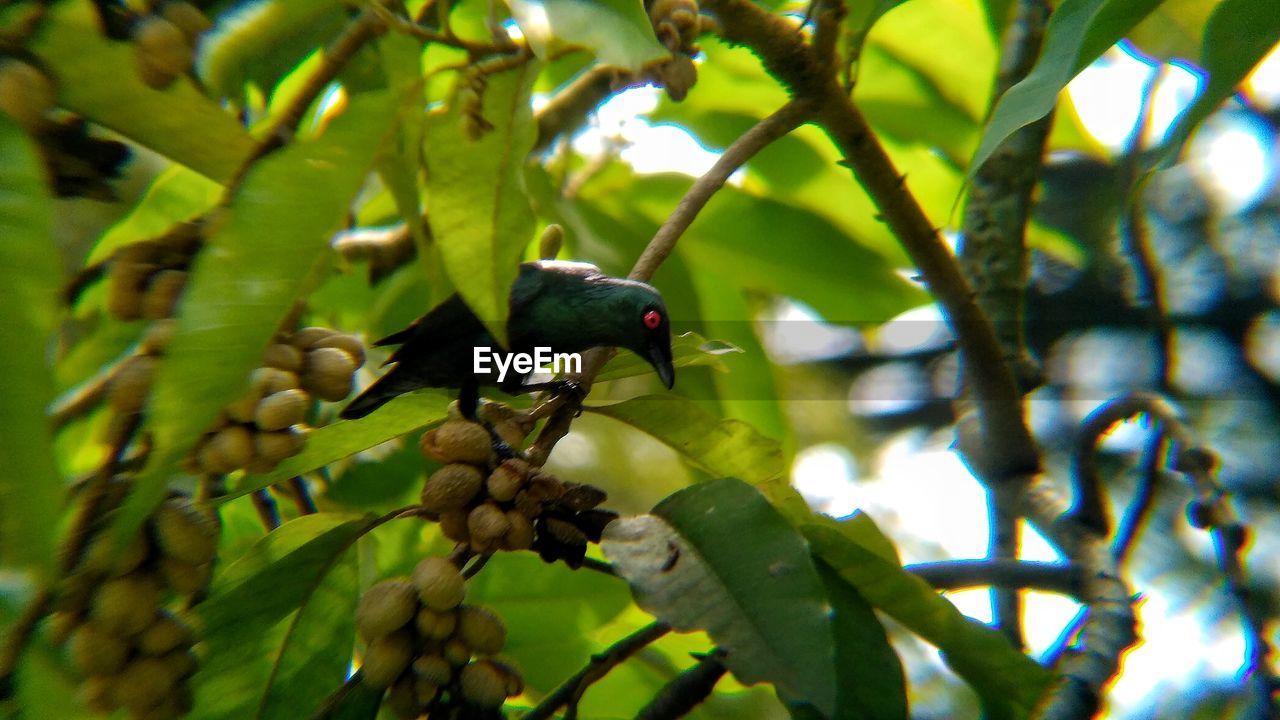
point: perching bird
(565, 306)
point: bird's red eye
(652, 319)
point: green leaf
(331, 443)
(355, 700)
(1174, 29)
(870, 681)
(96, 79)
(275, 233)
(687, 350)
(1008, 682)
(551, 613)
(260, 42)
(1240, 33)
(721, 447)
(30, 487)
(616, 31)
(1078, 32)
(479, 207)
(177, 194)
(718, 557)
(279, 621)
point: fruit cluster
(490, 502)
(164, 42)
(266, 424)
(133, 652)
(144, 279)
(433, 652)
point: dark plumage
(568, 307)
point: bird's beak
(660, 358)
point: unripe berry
(161, 52)
(384, 608)
(453, 525)
(327, 373)
(458, 441)
(483, 684)
(98, 693)
(520, 534)
(184, 532)
(307, 337)
(126, 606)
(276, 446)
(487, 525)
(425, 691)
(127, 391)
(440, 584)
(26, 94)
(436, 625)
(228, 449)
(143, 684)
(95, 652)
(184, 578)
(402, 699)
(283, 357)
(281, 410)
(99, 556)
(270, 380)
(344, 342)
(481, 629)
(451, 487)
(434, 669)
(386, 658)
(164, 635)
(456, 652)
(507, 479)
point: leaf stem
(571, 691)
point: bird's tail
(376, 395)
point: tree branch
(1064, 579)
(569, 108)
(687, 690)
(571, 691)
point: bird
(568, 307)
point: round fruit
(98, 693)
(453, 525)
(451, 487)
(184, 578)
(243, 408)
(184, 532)
(162, 51)
(229, 449)
(276, 446)
(507, 479)
(26, 94)
(483, 684)
(187, 17)
(435, 625)
(425, 691)
(164, 635)
(459, 441)
(402, 699)
(176, 704)
(520, 535)
(481, 629)
(456, 652)
(161, 297)
(327, 373)
(127, 391)
(126, 606)
(281, 410)
(386, 658)
(346, 343)
(439, 583)
(158, 336)
(99, 557)
(307, 337)
(433, 669)
(487, 524)
(283, 357)
(96, 652)
(385, 608)
(143, 684)
(271, 380)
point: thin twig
(301, 496)
(476, 566)
(335, 698)
(687, 690)
(16, 639)
(568, 109)
(958, 574)
(503, 45)
(1153, 462)
(600, 566)
(571, 690)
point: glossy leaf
(1008, 682)
(721, 447)
(30, 487)
(687, 350)
(1174, 29)
(479, 209)
(694, 565)
(274, 234)
(96, 79)
(177, 194)
(278, 622)
(616, 31)
(1078, 32)
(870, 678)
(331, 443)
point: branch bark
(572, 689)
(1065, 579)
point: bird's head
(645, 328)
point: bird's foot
(572, 392)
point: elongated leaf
(869, 674)
(1240, 33)
(721, 447)
(30, 488)
(1079, 31)
(259, 42)
(718, 557)
(550, 612)
(479, 208)
(687, 350)
(177, 194)
(273, 235)
(1008, 682)
(96, 78)
(616, 31)
(331, 443)
(279, 621)
(353, 701)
